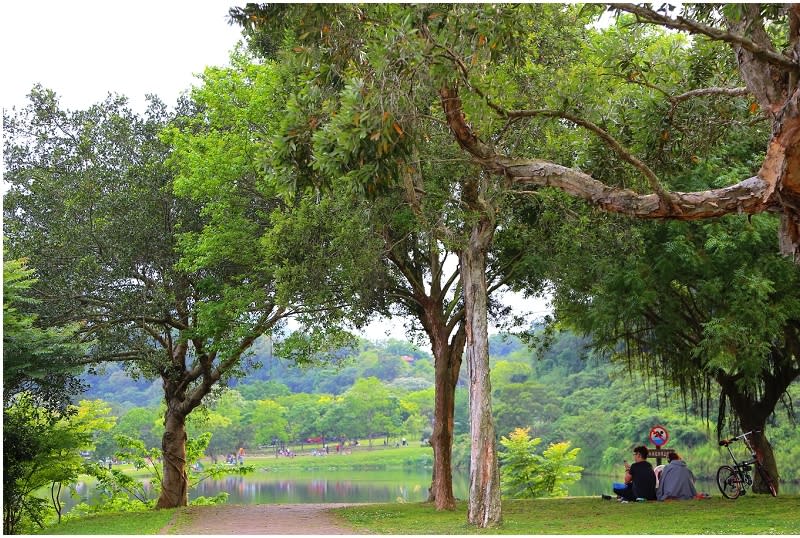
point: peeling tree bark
(775, 188)
(484, 487)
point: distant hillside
(393, 361)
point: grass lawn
(753, 514)
(149, 522)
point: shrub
(524, 474)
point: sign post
(659, 436)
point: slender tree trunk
(484, 489)
(447, 365)
(175, 482)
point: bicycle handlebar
(726, 442)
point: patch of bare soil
(314, 519)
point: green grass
(753, 514)
(586, 515)
(149, 522)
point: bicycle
(732, 481)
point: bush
(524, 474)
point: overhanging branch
(749, 196)
(744, 197)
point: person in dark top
(640, 480)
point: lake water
(328, 486)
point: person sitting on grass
(640, 480)
(677, 481)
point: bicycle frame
(743, 467)
(732, 481)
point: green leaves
(40, 448)
(38, 360)
(526, 474)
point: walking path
(314, 519)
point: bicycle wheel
(729, 482)
(767, 479)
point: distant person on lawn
(640, 480)
(677, 481)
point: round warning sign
(659, 436)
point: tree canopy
(176, 286)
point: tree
(708, 307)
(142, 423)
(268, 421)
(41, 448)
(679, 295)
(159, 281)
(769, 76)
(39, 361)
(468, 56)
(364, 410)
(303, 413)
(378, 144)
(39, 379)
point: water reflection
(336, 486)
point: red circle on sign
(659, 436)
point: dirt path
(259, 519)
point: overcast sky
(85, 49)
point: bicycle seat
(724, 442)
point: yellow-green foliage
(526, 474)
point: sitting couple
(677, 481)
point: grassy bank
(755, 514)
(361, 457)
(580, 515)
(134, 523)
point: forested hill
(564, 394)
(398, 363)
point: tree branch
(609, 140)
(747, 196)
(703, 92)
(693, 27)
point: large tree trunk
(447, 365)
(442, 320)
(175, 482)
(484, 489)
(754, 411)
(763, 451)
(752, 419)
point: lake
(337, 486)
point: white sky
(85, 49)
